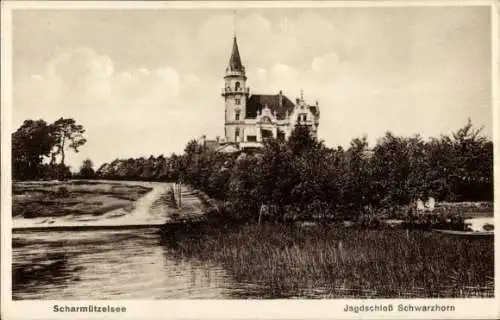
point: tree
(440, 166)
(87, 169)
(301, 140)
(354, 177)
(243, 189)
(67, 134)
(276, 175)
(310, 173)
(30, 143)
(473, 164)
(400, 167)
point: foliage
(35, 141)
(67, 134)
(30, 143)
(54, 172)
(62, 192)
(151, 169)
(303, 179)
(87, 169)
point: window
(252, 138)
(237, 86)
(237, 101)
(281, 135)
(237, 134)
(266, 134)
(237, 116)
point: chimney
(281, 98)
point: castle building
(251, 118)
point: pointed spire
(235, 60)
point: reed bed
(286, 261)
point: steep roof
(257, 102)
(314, 110)
(211, 144)
(235, 60)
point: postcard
(249, 160)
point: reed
(282, 261)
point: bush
(55, 172)
(488, 227)
(62, 192)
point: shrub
(62, 192)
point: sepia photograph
(250, 152)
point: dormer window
(302, 117)
(237, 116)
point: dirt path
(191, 205)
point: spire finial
(302, 94)
(234, 23)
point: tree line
(137, 169)
(295, 178)
(302, 176)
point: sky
(144, 82)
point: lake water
(110, 264)
(104, 264)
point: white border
(5, 187)
(226, 309)
(197, 4)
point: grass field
(282, 261)
(53, 199)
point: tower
(235, 93)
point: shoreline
(322, 259)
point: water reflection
(42, 271)
(104, 264)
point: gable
(228, 148)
